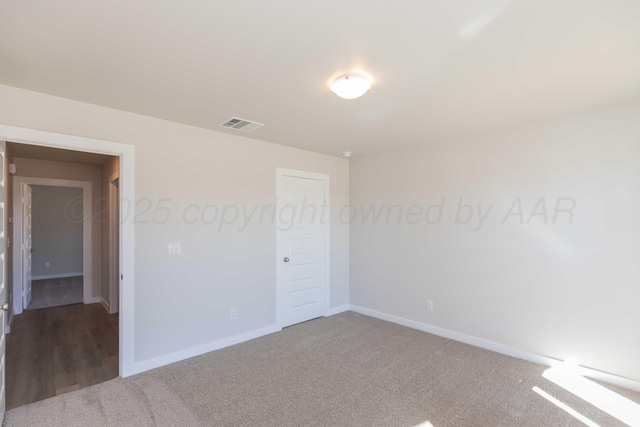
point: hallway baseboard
(57, 276)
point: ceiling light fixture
(350, 86)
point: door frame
(87, 225)
(280, 174)
(114, 207)
(127, 228)
(4, 288)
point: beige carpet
(55, 292)
(344, 370)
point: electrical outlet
(234, 313)
(429, 305)
(47, 264)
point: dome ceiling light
(350, 86)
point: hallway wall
(57, 231)
(110, 172)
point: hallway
(60, 349)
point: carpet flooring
(55, 292)
(343, 370)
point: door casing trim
(127, 229)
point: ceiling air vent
(241, 124)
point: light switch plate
(173, 248)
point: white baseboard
(107, 306)
(337, 310)
(497, 347)
(212, 346)
(93, 300)
(157, 362)
(56, 276)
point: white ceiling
(441, 68)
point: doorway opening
(53, 236)
(52, 226)
(64, 327)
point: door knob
(32, 250)
(286, 259)
(5, 306)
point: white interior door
(3, 289)
(27, 249)
(301, 245)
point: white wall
(563, 289)
(183, 301)
(57, 230)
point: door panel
(303, 272)
(303, 298)
(303, 246)
(3, 288)
(301, 232)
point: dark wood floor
(57, 350)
